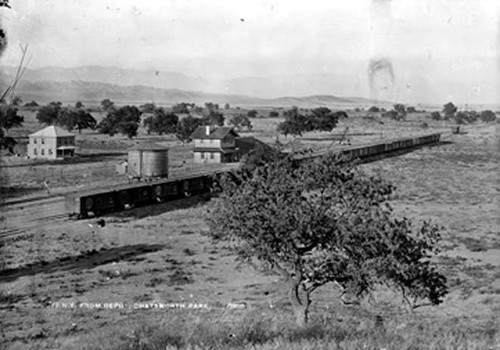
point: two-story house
(215, 145)
(51, 143)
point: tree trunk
(300, 301)
(301, 315)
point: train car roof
(172, 178)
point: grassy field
(53, 279)
(99, 154)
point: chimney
(207, 128)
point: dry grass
(159, 255)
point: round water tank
(149, 160)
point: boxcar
(90, 203)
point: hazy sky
(420, 50)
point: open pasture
(160, 255)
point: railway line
(28, 216)
(22, 219)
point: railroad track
(32, 225)
(32, 216)
(43, 213)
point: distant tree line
(68, 117)
(451, 112)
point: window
(50, 151)
(34, 140)
(43, 142)
(34, 151)
(202, 155)
(42, 151)
(211, 156)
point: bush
(436, 116)
(487, 116)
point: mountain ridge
(95, 83)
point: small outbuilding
(122, 168)
(147, 161)
(52, 142)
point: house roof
(149, 146)
(52, 131)
(215, 134)
(246, 144)
(215, 150)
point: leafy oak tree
(107, 105)
(213, 118)
(324, 221)
(50, 113)
(487, 116)
(124, 120)
(161, 122)
(8, 119)
(323, 119)
(449, 110)
(240, 121)
(294, 124)
(186, 127)
(76, 119)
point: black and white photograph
(249, 174)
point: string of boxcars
(121, 197)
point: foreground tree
(324, 221)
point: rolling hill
(92, 84)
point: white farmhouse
(51, 143)
(215, 145)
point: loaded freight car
(81, 205)
(99, 201)
(117, 198)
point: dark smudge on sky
(380, 70)
(3, 38)
(381, 75)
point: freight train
(120, 197)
